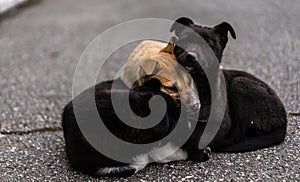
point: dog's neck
(204, 87)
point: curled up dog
(85, 158)
(254, 116)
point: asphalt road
(41, 44)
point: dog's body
(254, 117)
(85, 158)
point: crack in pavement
(293, 114)
(40, 130)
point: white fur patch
(168, 153)
(140, 162)
(189, 125)
(163, 154)
(108, 170)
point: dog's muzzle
(196, 106)
(193, 104)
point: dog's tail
(121, 171)
(254, 143)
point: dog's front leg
(199, 155)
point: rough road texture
(41, 44)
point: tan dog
(153, 59)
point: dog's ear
(183, 21)
(145, 70)
(223, 29)
(170, 47)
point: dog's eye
(170, 89)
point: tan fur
(153, 59)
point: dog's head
(216, 39)
(155, 60)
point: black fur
(255, 117)
(83, 157)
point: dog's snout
(191, 56)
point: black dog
(85, 158)
(254, 118)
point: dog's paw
(207, 151)
(200, 155)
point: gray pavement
(40, 46)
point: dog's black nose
(191, 56)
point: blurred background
(41, 42)
(6, 5)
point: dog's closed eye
(170, 89)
